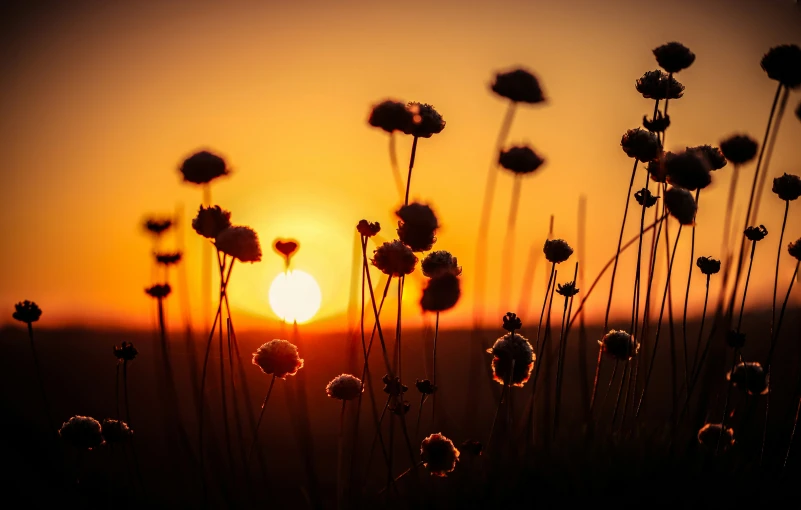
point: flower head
(520, 160)
(619, 345)
(645, 198)
(788, 187)
(794, 249)
(286, 248)
(688, 169)
(713, 434)
(168, 259)
(210, 221)
(708, 265)
(127, 352)
(512, 359)
(739, 149)
(394, 258)
(674, 57)
(425, 121)
(203, 167)
(390, 116)
(393, 386)
(557, 250)
(115, 431)
(756, 233)
(344, 387)
(519, 86)
(511, 322)
(441, 293)
(749, 377)
(82, 432)
(417, 226)
(567, 290)
(658, 124)
(279, 358)
(640, 144)
(714, 157)
(425, 387)
(159, 291)
(439, 454)
(656, 168)
(439, 262)
(368, 229)
(681, 205)
(659, 85)
(735, 339)
(157, 226)
(783, 64)
(241, 243)
(27, 312)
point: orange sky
(100, 103)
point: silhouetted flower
(681, 205)
(82, 432)
(441, 293)
(426, 121)
(203, 167)
(783, 64)
(749, 377)
(739, 149)
(512, 355)
(285, 248)
(417, 226)
(688, 169)
(756, 233)
(279, 358)
(390, 116)
(735, 339)
(645, 198)
(658, 124)
(27, 312)
(656, 168)
(210, 221)
(368, 229)
(438, 262)
(115, 431)
(393, 386)
(640, 144)
(394, 258)
(157, 226)
(344, 387)
(520, 160)
(712, 434)
(557, 250)
(511, 322)
(619, 345)
(439, 454)
(659, 85)
(674, 57)
(126, 352)
(788, 186)
(160, 290)
(472, 447)
(400, 408)
(425, 386)
(519, 86)
(714, 157)
(567, 290)
(708, 265)
(794, 249)
(168, 259)
(241, 243)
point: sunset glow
(295, 296)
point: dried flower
(783, 64)
(439, 454)
(557, 250)
(393, 386)
(794, 249)
(368, 229)
(688, 169)
(674, 57)
(168, 259)
(619, 345)
(756, 233)
(27, 312)
(739, 149)
(710, 436)
(210, 221)
(82, 432)
(659, 85)
(426, 121)
(788, 187)
(567, 290)
(425, 386)
(344, 387)
(512, 359)
(511, 322)
(472, 447)
(681, 205)
(645, 198)
(708, 265)
(159, 291)
(279, 358)
(749, 377)
(115, 431)
(390, 116)
(441, 293)
(658, 124)
(714, 157)
(520, 160)
(241, 243)
(439, 262)
(519, 86)
(418, 226)
(640, 144)
(735, 339)
(394, 259)
(157, 226)
(126, 352)
(656, 168)
(203, 167)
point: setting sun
(295, 296)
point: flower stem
(545, 304)
(376, 312)
(411, 166)
(434, 373)
(687, 298)
(768, 153)
(509, 246)
(117, 390)
(258, 423)
(340, 460)
(393, 161)
(560, 360)
(696, 366)
(776, 283)
(40, 380)
(539, 360)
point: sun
(295, 296)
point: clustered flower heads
(512, 359)
(619, 345)
(659, 85)
(714, 157)
(344, 387)
(394, 258)
(783, 64)
(417, 226)
(645, 198)
(658, 124)
(127, 352)
(439, 454)
(116, 431)
(441, 293)
(712, 434)
(168, 259)
(210, 221)
(425, 121)
(656, 168)
(567, 290)
(279, 358)
(82, 432)
(368, 229)
(520, 160)
(557, 250)
(708, 265)
(756, 233)
(674, 57)
(439, 262)
(203, 167)
(390, 116)
(681, 205)
(749, 377)
(159, 291)
(157, 226)
(688, 169)
(794, 249)
(788, 187)
(640, 144)
(739, 149)
(27, 312)
(241, 243)
(519, 86)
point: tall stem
(544, 304)
(562, 352)
(763, 177)
(411, 166)
(340, 470)
(509, 246)
(258, 423)
(48, 415)
(393, 161)
(434, 373)
(776, 275)
(696, 366)
(117, 391)
(687, 298)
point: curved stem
(376, 313)
(745, 289)
(562, 351)
(258, 423)
(776, 274)
(544, 304)
(509, 246)
(769, 153)
(687, 298)
(411, 166)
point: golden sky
(102, 100)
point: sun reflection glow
(295, 296)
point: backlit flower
(567, 290)
(512, 359)
(159, 291)
(279, 358)
(712, 434)
(756, 233)
(557, 250)
(520, 160)
(519, 86)
(438, 262)
(739, 149)
(439, 454)
(394, 258)
(645, 198)
(708, 265)
(783, 64)
(658, 124)
(241, 243)
(115, 431)
(390, 116)
(393, 386)
(674, 57)
(417, 227)
(659, 85)
(656, 168)
(441, 293)
(714, 157)
(126, 352)
(425, 387)
(749, 377)
(82, 432)
(511, 322)
(203, 167)
(210, 221)
(681, 205)
(157, 226)
(619, 345)
(794, 249)
(344, 387)
(788, 186)
(426, 121)
(688, 169)
(368, 229)
(27, 312)
(640, 144)
(168, 259)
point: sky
(101, 101)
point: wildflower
(210, 221)
(439, 454)
(159, 291)
(659, 85)
(417, 226)
(126, 352)
(511, 322)
(168, 259)
(82, 432)
(619, 345)
(794, 249)
(203, 167)
(425, 386)
(681, 205)
(285, 248)
(658, 124)
(783, 64)
(712, 434)
(512, 359)
(441, 293)
(279, 358)
(645, 198)
(368, 229)
(714, 157)
(393, 386)
(519, 86)
(708, 265)
(756, 233)
(426, 121)
(241, 243)
(739, 149)
(674, 57)
(115, 431)
(750, 377)
(788, 187)
(557, 250)
(520, 160)
(157, 227)
(656, 168)
(439, 262)
(394, 259)
(344, 387)
(735, 339)
(472, 447)
(688, 169)
(567, 290)
(27, 312)
(390, 116)
(400, 408)
(640, 144)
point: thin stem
(398, 346)
(769, 153)
(504, 393)
(745, 289)
(724, 419)
(393, 161)
(411, 166)
(434, 373)
(776, 275)
(626, 372)
(687, 297)
(125, 390)
(562, 351)
(39, 379)
(509, 246)
(340, 448)
(775, 339)
(544, 304)
(117, 390)
(540, 359)
(376, 313)
(258, 423)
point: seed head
(82, 432)
(708, 265)
(115, 431)
(168, 259)
(756, 233)
(512, 360)
(714, 157)
(425, 386)
(794, 249)
(511, 322)
(279, 358)
(519, 86)
(368, 229)
(210, 221)
(656, 168)
(159, 291)
(645, 198)
(520, 160)
(425, 121)
(557, 250)
(394, 259)
(688, 169)
(127, 352)
(659, 85)
(390, 116)
(739, 149)
(344, 387)
(400, 408)
(712, 434)
(749, 377)
(439, 262)
(640, 144)
(27, 312)
(681, 205)
(439, 454)
(157, 226)
(788, 187)
(203, 167)
(674, 57)
(567, 290)
(441, 293)
(242, 243)
(658, 124)
(417, 227)
(619, 345)
(783, 64)
(393, 386)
